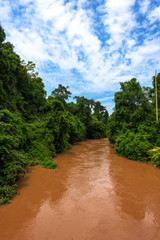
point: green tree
(34, 128)
(83, 110)
(100, 112)
(131, 104)
(9, 70)
(61, 93)
(131, 126)
(2, 35)
(12, 159)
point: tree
(2, 35)
(9, 70)
(100, 112)
(34, 128)
(61, 93)
(91, 102)
(152, 92)
(131, 104)
(83, 110)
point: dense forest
(133, 127)
(34, 127)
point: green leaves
(61, 93)
(12, 159)
(6, 192)
(155, 156)
(96, 129)
(34, 128)
(50, 164)
(131, 104)
(2, 35)
(131, 126)
(133, 146)
(76, 129)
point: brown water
(92, 195)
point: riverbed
(92, 195)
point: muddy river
(92, 195)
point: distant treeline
(33, 128)
(132, 127)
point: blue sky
(87, 45)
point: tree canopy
(132, 126)
(34, 127)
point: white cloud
(5, 12)
(149, 51)
(65, 35)
(49, 9)
(29, 45)
(144, 6)
(25, 2)
(154, 15)
(131, 42)
(104, 99)
(119, 20)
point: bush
(49, 164)
(155, 156)
(6, 192)
(12, 159)
(96, 129)
(133, 145)
(39, 142)
(76, 129)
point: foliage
(50, 164)
(133, 146)
(6, 192)
(112, 128)
(34, 128)
(57, 124)
(83, 110)
(61, 93)
(100, 112)
(155, 156)
(131, 104)
(77, 129)
(132, 126)
(12, 159)
(97, 129)
(95, 123)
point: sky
(88, 45)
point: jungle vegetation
(132, 126)
(34, 127)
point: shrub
(49, 164)
(155, 156)
(96, 129)
(133, 145)
(6, 192)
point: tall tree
(131, 104)
(83, 109)
(61, 93)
